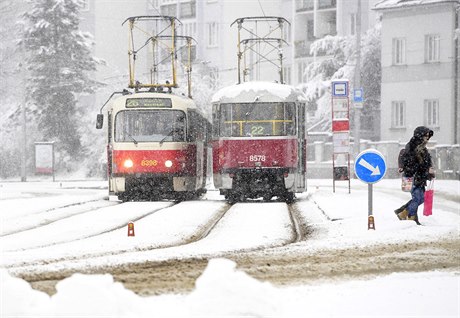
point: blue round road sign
(370, 166)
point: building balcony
(304, 5)
(309, 5)
(327, 4)
(187, 10)
(302, 49)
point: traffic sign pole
(370, 167)
(370, 216)
(369, 199)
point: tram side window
(109, 126)
(215, 120)
(199, 127)
(257, 119)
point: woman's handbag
(406, 183)
(428, 203)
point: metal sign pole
(370, 217)
(369, 198)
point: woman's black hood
(419, 133)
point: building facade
(315, 19)
(420, 69)
(419, 54)
(208, 22)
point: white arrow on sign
(367, 165)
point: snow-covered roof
(394, 4)
(258, 91)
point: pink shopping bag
(428, 204)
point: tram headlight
(168, 163)
(128, 163)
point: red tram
(259, 133)
(157, 140)
(156, 147)
(258, 141)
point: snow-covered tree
(59, 61)
(11, 90)
(371, 80)
(336, 59)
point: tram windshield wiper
(174, 130)
(134, 140)
(169, 134)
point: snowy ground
(339, 220)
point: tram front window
(257, 119)
(149, 126)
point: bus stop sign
(370, 166)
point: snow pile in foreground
(223, 291)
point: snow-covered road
(51, 230)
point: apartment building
(209, 23)
(420, 69)
(314, 19)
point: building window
(399, 51)
(212, 33)
(432, 48)
(310, 30)
(287, 75)
(189, 29)
(287, 32)
(152, 4)
(84, 5)
(188, 9)
(398, 114)
(432, 112)
(168, 10)
(353, 24)
(301, 68)
(305, 5)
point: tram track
(27, 222)
(10, 241)
(199, 234)
(125, 272)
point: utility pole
(23, 70)
(24, 142)
(357, 81)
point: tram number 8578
(257, 158)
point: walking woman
(417, 163)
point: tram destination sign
(149, 102)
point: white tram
(157, 139)
(156, 147)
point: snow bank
(223, 291)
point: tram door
(197, 134)
(301, 144)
